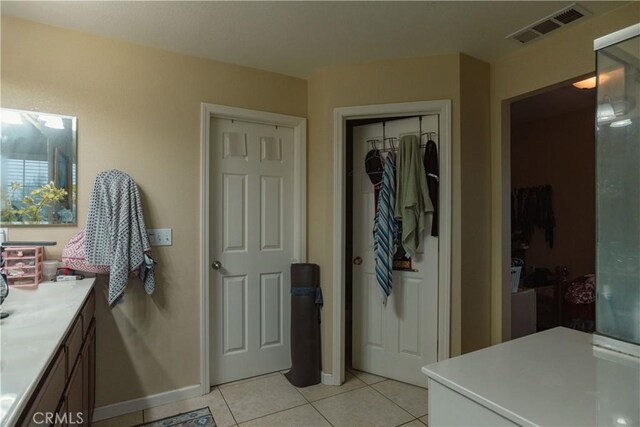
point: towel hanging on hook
(432, 170)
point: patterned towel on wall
(115, 233)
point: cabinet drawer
(88, 312)
(59, 420)
(73, 396)
(49, 394)
(74, 344)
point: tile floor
(269, 400)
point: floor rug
(199, 418)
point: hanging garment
(384, 229)
(530, 208)
(374, 167)
(432, 169)
(547, 219)
(412, 197)
(115, 234)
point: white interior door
(251, 246)
(393, 340)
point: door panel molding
(341, 115)
(234, 147)
(234, 191)
(271, 293)
(234, 291)
(271, 208)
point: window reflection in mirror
(37, 168)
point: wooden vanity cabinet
(65, 396)
(89, 373)
(46, 398)
(73, 396)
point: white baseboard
(146, 402)
(327, 379)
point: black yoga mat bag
(306, 300)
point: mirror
(37, 168)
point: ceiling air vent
(526, 36)
(568, 16)
(545, 26)
(551, 23)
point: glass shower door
(618, 190)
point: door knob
(217, 265)
(357, 260)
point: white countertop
(38, 321)
(552, 378)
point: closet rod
(393, 139)
(383, 120)
(392, 119)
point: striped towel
(385, 228)
(116, 235)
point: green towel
(412, 193)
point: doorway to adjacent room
(553, 188)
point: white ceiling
(298, 38)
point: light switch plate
(160, 236)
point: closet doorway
(411, 330)
(396, 339)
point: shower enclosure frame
(615, 338)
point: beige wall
(560, 151)
(364, 84)
(138, 111)
(561, 57)
(474, 215)
(439, 77)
